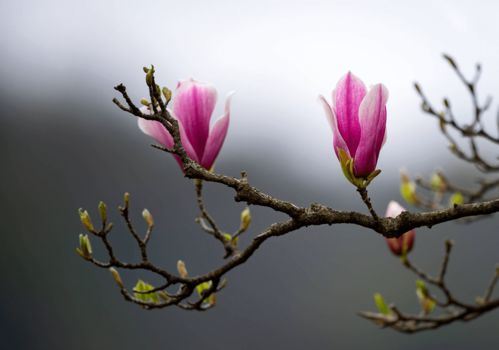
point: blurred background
(64, 145)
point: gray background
(63, 145)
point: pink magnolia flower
(193, 106)
(402, 245)
(358, 120)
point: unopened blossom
(193, 106)
(358, 120)
(402, 245)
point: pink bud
(404, 244)
(193, 107)
(358, 120)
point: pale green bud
(408, 189)
(167, 93)
(85, 249)
(438, 183)
(149, 76)
(85, 220)
(182, 270)
(456, 199)
(103, 211)
(383, 308)
(426, 301)
(148, 217)
(245, 219)
(126, 199)
(116, 276)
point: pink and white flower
(402, 245)
(358, 120)
(193, 106)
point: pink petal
(395, 245)
(394, 209)
(155, 129)
(338, 141)
(193, 105)
(372, 117)
(158, 132)
(347, 98)
(406, 241)
(217, 136)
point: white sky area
(277, 56)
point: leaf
(425, 300)
(408, 192)
(381, 305)
(142, 287)
(456, 199)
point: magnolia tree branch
(451, 308)
(473, 131)
(441, 192)
(198, 292)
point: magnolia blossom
(193, 106)
(358, 120)
(402, 245)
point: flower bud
(85, 249)
(103, 211)
(182, 270)
(426, 301)
(149, 75)
(402, 245)
(85, 220)
(116, 277)
(126, 200)
(383, 308)
(245, 219)
(408, 188)
(167, 93)
(148, 217)
(357, 117)
(438, 183)
(145, 102)
(456, 199)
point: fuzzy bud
(85, 249)
(456, 199)
(148, 218)
(438, 183)
(182, 270)
(167, 93)
(103, 211)
(85, 220)
(245, 219)
(426, 301)
(408, 188)
(116, 277)
(126, 200)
